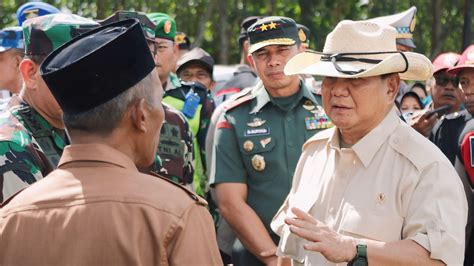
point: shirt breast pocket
(257, 155)
(371, 224)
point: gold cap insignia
(302, 35)
(258, 162)
(308, 105)
(248, 145)
(167, 27)
(413, 24)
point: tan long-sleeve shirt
(97, 209)
(392, 184)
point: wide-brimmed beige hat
(357, 49)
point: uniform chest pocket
(371, 224)
(256, 144)
(257, 155)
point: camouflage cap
(165, 25)
(44, 34)
(147, 25)
(11, 37)
(272, 31)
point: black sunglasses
(442, 80)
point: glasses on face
(442, 80)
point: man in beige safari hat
(370, 190)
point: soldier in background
(259, 138)
(174, 158)
(34, 9)
(11, 54)
(97, 208)
(32, 135)
(194, 101)
(167, 49)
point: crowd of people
(117, 148)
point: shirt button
(288, 119)
(290, 143)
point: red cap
(466, 61)
(445, 61)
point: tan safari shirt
(97, 209)
(393, 184)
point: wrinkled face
(269, 63)
(466, 82)
(446, 91)
(358, 104)
(409, 104)
(156, 117)
(9, 71)
(166, 56)
(195, 72)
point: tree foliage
(215, 24)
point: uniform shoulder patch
(192, 195)
(238, 101)
(223, 124)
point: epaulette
(198, 199)
(239, 100)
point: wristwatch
(361, 255)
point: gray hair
(103, 119)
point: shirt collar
(95, 152)
(366, 147)
(172, 82)
(262, 97)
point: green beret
(165, 25)
(44, 34)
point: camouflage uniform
(29, 146)
(199, 125)
(175, 150)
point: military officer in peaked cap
(259, 138)
(97, 208)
